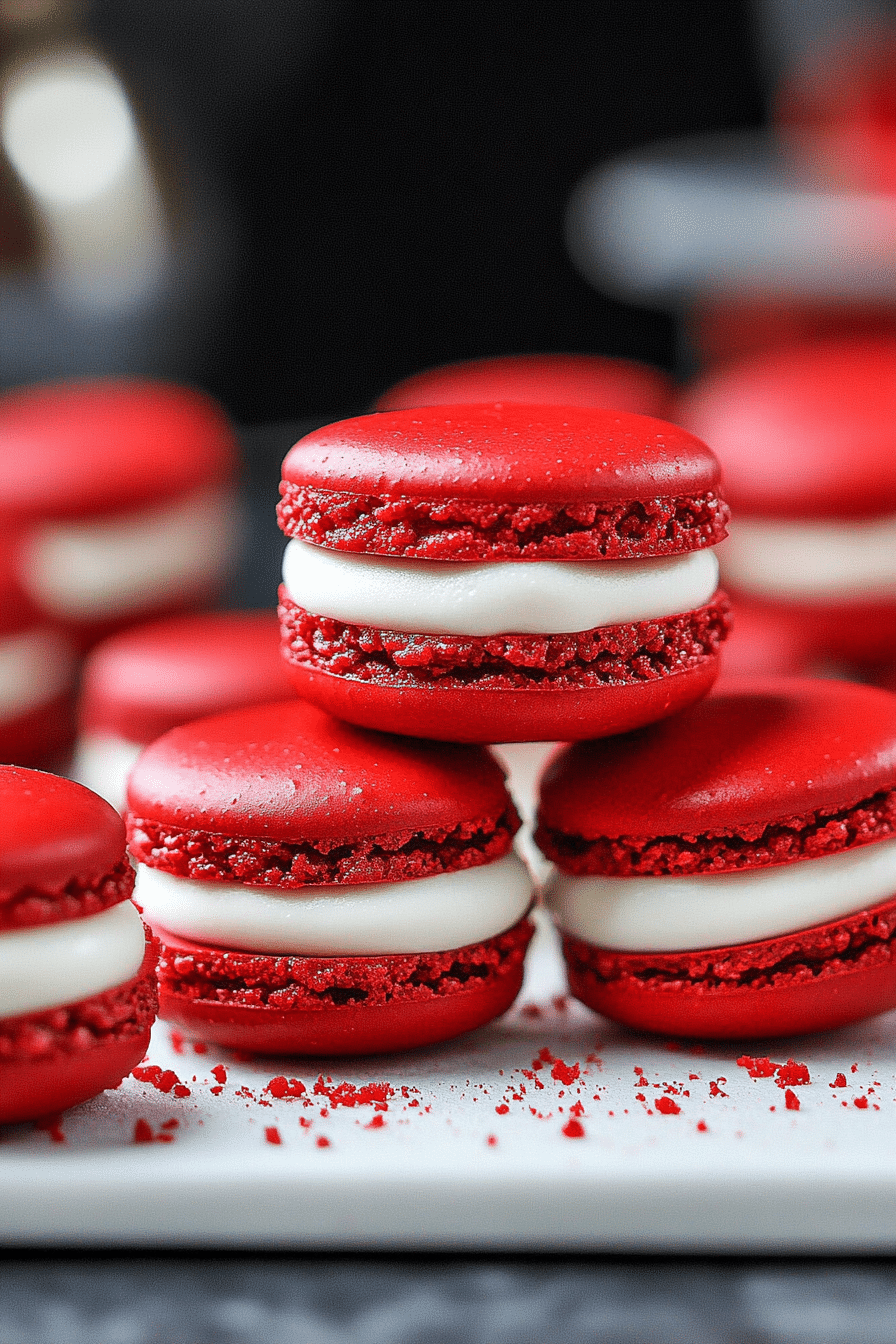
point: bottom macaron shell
(39, 737)
(62, 1056)
(473, 714)
(346, 1005)
(815, 980)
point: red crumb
(492, 1140)
(839, 1081)
(693, 1077)
(181, 1091)
(757, 1068)
(794, 1074)
(564, 1073)
(216, 1091)
(861, 1102)
(530, 1010)
(323, 1141)
(304, 1122)
(177, 1042)
(52, 1125)
(200, 1048)
(702, 1127)
(220, 1073)
(502, 1109)
(715, 1090)
(346, 1094)
(285, 1087)
(272, 1134)
(377, 1122)
(666, 1106)
(142, 1132)
(162, 1080)
(170, 1124)
(573, 1129)
(791, 1100)
(577, 1108)
(560, 1002)
(854, 1068)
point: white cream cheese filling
(103, 762)
(98, 568)
(839, 562)
(678, 914)
(428, 914)
(35, 667)
(539, 597)
(55, 964)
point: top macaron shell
(53, 831)
(79, 449)
(554, 379)
(808, 432)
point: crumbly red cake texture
(609, 655)
(809, 836)
(249, 979)
(30, 906)
(857, 942)
(470, 529)
(116, 1016)
(400, 856)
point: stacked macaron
(123, 494)
(731, 872)
(320, 889)
(488, 573)
(141, 682)
(77, 990)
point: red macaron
(320, 889)
(77, 988)
(807, 442)
(123, 493)
(555, 379)
(501, 572)
(731, 872)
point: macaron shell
(106, 445)
(565, 380)
(53, 830)
(42, 736)
(856, 632)
(754, 752)
(504, 453)
(34, 1089)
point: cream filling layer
(429, 914)
(841, 562)
(538, 597)
(679, 914)
(57, 964)
(103, 763)
(98, 568)
(35, 667)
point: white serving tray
(426, 1173)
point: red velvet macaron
(555, 379)
(807, 442)
(731, 872)
(77, 989)
(123, 492)
(141, 682)
(501, 572)
(320, 889)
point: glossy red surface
(753, 752)
(42, 736)
(863, 633)
(53, 830)
(153, 677)
(806, 432)
(511, 453)
(470, 714)
(764, 641)
(564, 380)
(107, 445)
(30, 1089)
(287, 771)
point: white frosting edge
(825, 560)
(678, 914)
(428, 914)
(99, 567)
(103, 762)
(548, 597)
(35, 666)
(56, 964)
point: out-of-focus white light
(67, 128)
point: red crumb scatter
(594, 1059)
(177, 1042)
(492, 1140)
(52, 1125)
(245, 1092)
(666, 1106)
(219, 1073)
(791, 1100)
(577, 1108)
(376, 1122)
(715, 1090)
(170, 1124)
(670, 1089)
(272, 1134)
(639, 1096)
(564, 1073)
(757, 1068)
(693, 1077)
(181, 1091)
(324, 1112)
(853, 1068)
(200, 1048)
(545, 1055)
(861, 1102)
(573, 1129)
(702, 1127)
(304, 1122)
(216, 1091)
(164, 1138)
(323, 1141)
(793, 1074)
(142, 1132)
(839, 1081)
(346, 1094)
(503, 1109)
(772, 1108)
(281, 1087)
(163, 1080)
(530, 1010)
